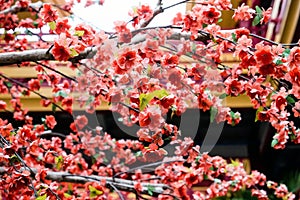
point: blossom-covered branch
(121, 184)
(22, 7)
(9, 58)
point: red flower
(88, 34)
(22, 3)
(243, 12)
(61, 50)
(34, 84)
(125, 62)
(210, 15)
(81, 121)
(62, 26)
(266, 15)
(294, 57)
(264, 55)
(123, 32)
(50, 121)
(48, 13)
(175, 77)
(267, 69)
(234, 87)
(241, 31)
(2, 105)
(145, 12)
(295, 75)
(45, 102)
(204, 102)
(144, 119)
(170, 60)
(167, 101)
(68, 102)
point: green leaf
(94, 192)
(223, 96)
(257, 112)
(8, 84)
(235, 163)
(286, 53)
(290, 99)
(274, 142)
(90, 100)
(54, 107)
(213, 113)
(146, 98)
(150, 189)
(138, 154)
(220, 20)
(52, 25)
(233, 35)
(73, 52)
(79, 33)
(278, 62)
(59, 162)
(42, 197)
(258, 10)
(67, 195)
(256, 20)
(13, 159)
(61, 93)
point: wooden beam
(13, 71)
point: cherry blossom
(147, 76)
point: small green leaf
(8, 84)
(73, 52)
(290, 99)
(138, 154)
(213, 113)
(278, 62)
(233, 35)
(258, 10)
(286, 53)
(52, 25)
(150, 189)
(146, 98)
(90, 100)
(42, 197)
(274, 142)
(257, 112)
(234, 163)
(13, 159)
(94, 192)
(223, 96)
(54, 107)
(59, 162)
(67, 195)
(61, 93)
(220, 20)
(79, 33)
(256, 20)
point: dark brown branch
(56, 71)
(25, 86)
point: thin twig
(117, 191)
(56, 71)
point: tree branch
(16, 8)
(34, 55)
(120, 184)
(9, 58)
